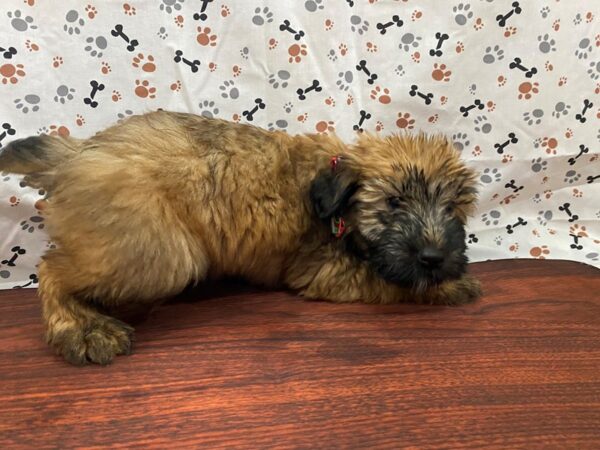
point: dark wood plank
(245, 368)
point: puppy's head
(405, 200)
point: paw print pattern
(29, 103)
(228, 90)
(533, 117)
(460, 141)
(64, 94)
(544, 217)
(538, 164)
(208, 109)
(571, 176)
(584, 48)
(409, 41)
(482, 125)
(344, 80)
(279, 79)
(491, 218)
(96, 46)
(490, 175)
(73, 22)
(546, 44)
(358, 25)
(493, 54)
(462, 13)
(262, 16)
(21, 22)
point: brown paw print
(433, 119)
(382, 95)
(105, 69)
(329, 101)
(372, 48)
(577, 193)
(236, 118)
(79, 120)
(440, 73)
(116, 96)
(128, 9)
(548, 194)
(146, 63)
(478, 24)
(416, 57)
(237, 71)
(548, 66)
(528, 89)
(416, 15)
(14, 201)
(491, 106)
(514, 247)
(501, 80)
(476, 151)
(343, 49)
(178, 20)
(443, 100)
(57, 61)
(578, 230)
(506, 158)
(323, 126)
(302, 117)
(212, 67)
(562, 81)
(58, 130)
(550, 145)
(328, 24)
(460, 47)
(405, 121)
(144, 90)
(509, 198)
(204, 37)
(273, 43)
(378, 126)
(91, 11)
(225, 11)
(31, 46)
(556, 25)
(539, 252)
(176, 87)
(296, 52)
(349, 100)
(11, 73)
(509, 31)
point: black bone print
(118, 32)
(382, 27)
(582, 150)
(7, 130)
(350, 3)
(566, 207)
(315, 86)
(586, 105)
(95, 88)
(512, 139)
(202, 14)
(193, 64)
(285, 26)
(476, 104)
(414, 90)
(363, 116)
(575, 245)
(511, 185)
(437, 51)
(590, 179)
(511, 228)
(33, 279)
(362, 67)
(17, 251)
(517, 64)
(249, 114)
(502, 18)
(9, 52)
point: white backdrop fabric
(515, 85)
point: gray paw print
(278, 125)
(344, 81)
(561, 109)
(313, 5)
(498, 240)
(28, 103)
(584, 48)
(462, 13)
(544, 12)
(492, 54)
(572, 176)
(491, 218)
(546, 44)
(331, 55)
(162, 33)
(399, 70)
(74, 22)
(482, 125)
(594, 70)
(534, 116)
(262, 16)
(288, 107)
(20, 22)
(408, 41)
(170, 6)
(229, 90)
(279, 79)
(245, 52)
(544, 217)
(577, 19)
(63, 94)
(33, 223)
(358, 25)
(472, 89)
(593, 256)
(208, 109)
(122, 116)
(95, 46)
(460, 141)
(537, 198)
(538, 164)
(490, 175)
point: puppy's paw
(456, 292)
(98, 342)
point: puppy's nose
(431, 257)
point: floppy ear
(330, 192)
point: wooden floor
(246, 368)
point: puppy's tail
(37, 157)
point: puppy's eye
(450, 207)
(395, 202)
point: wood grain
(245, 368)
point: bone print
(582, 150)
(511, 185)
(202, 14)
(7, 130)
(517, 64)
(33, 279)
(362, 67)
(590, 179)
(512, 139)
(17, 251)
(502, 18)
(437, 51)
(586, 105)
(520, 222)
(118, 32)
(285, 26)
(363, 116)
(414, 90)
(95, 88)
(575, 245)
(382, 27)
(476, 104)
(566, 207)
(350, 3)
(193, 64)
(9, 52)
(249, 114)
(313, 87)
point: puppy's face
(405, 201)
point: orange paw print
(539, 252)
(382, 95)
(328, 24)
(31, 46)
(405, 121)
(176, 87)
(460, 47)
(128, 9)
(106, 69)
(416, 57)
(478, 24)
(146, 63)
(179, 21)
(273, 43)
(577, 230)
(91, 11)
(11, 73)
(237, 71)
(343, 49)
(329, 101)
(510, 31)
(225, 11)
(416, 15)
(440, 73)
(349, 100)
(144, 90)
(116, 96)
(556, 25)
(296, 52)
(59, 130)
(302, 117)
(528, 89)
(501, 80)
(324, 126)
(57, 61)
(204, 37)
(212, 66)
(514, 247)
(550, 144)
(372, 48)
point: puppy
(162, 200)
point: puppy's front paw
(456, 292)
